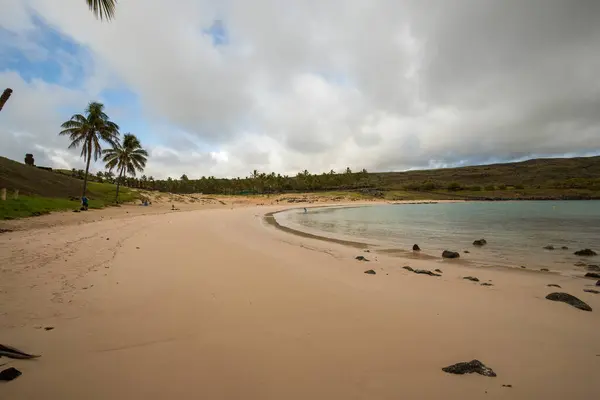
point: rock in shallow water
(569, 299)
(470, 367)
(450, 254)
(594, 275)
(585, 252)
(416, 247)
(549, 247)
(480, 242)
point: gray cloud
(319, 85)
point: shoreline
(214, 296)
(565, 268)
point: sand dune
(216, 304)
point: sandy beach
(211, 302)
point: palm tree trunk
(87, 168)
(5, 96)
(118, 184)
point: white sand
(216, 305)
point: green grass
(100, 195)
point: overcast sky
(225, 87)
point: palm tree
(103, 9)
(127, 158)
(87, 131)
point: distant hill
(539, 173)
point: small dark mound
(486, 284)
(370, 272)
(361, 258)
(9, 374)
(544, 270)
(480, 242)
(471, 278)
(470, 367)
(594, 275)
(549, 247)
(565, 248)
(585, 252)
(408, 268)
(569, 299)
(416, 247)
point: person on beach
(84, 203)
(305, 210)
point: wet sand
(217, 304)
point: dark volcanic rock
(48, 328)
(408, 268)
(469, 367)
(595, 268)
(544, 270)
(370, 272)
(522, 266)
(450, 254)
(416, 247)
(471, 278)
(480, 242)
(361, 258)
(594, 275)
(554, 285)
(585, 252)
(549, 247)
(569, 299)
(466, 251)
(425, 272)
(591, 291)
(486, 284)
(565, 248)
(9, 374)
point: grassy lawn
(100, 195)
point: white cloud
(327, 84)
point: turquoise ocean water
(516, 231)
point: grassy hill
(42, 191)
(536, 173)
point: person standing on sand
(305, 210)
(84, 203)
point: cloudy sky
(223, 87)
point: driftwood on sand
(11, 352)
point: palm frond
(103, 9)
